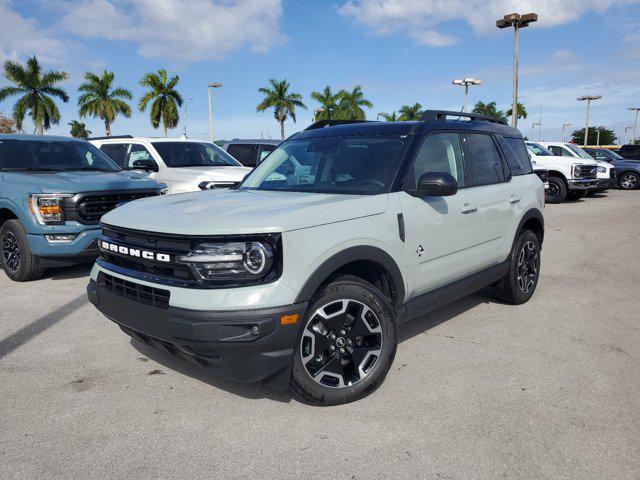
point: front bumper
(582, 184)
(243, 345)
(83, 248)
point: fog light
(255, 330)
(61, 238)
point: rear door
(442, 234)
(489, 178)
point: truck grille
(88, 208)
(156, 297)
(587, 171)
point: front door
(442, 234)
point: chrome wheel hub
(341, 343)
(628, 181)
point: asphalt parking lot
(478, 389)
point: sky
(399, 51)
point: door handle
(515, 198)
(469, 208)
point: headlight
(231, 262)
(602, 170)
(48, 209)
(576, 171)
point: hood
(76, 182)
(229, 212)
(228, 174)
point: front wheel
(629, 181)
(347, 343)
(557, 190)
(16, 258)
(518, 285)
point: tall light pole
(635, 124)
(516, 21)
(209, 87)
(589, 99)
(626, 129)
(465, 82)
(533, 128)
(564, 125)
(184, 117)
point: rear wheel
(15, 256)
(524, 270)
(347, 343)
(557, 190)
(629, 181)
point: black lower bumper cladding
(244, 345)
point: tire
(16, 258)
(629, 181)
(576, 195)
(346, 345)
(520, 283)
(557, 190)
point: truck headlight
(576, 171)
(602, 170)
(48, 209)
(232, 261)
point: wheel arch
(369, 263)
(6, 214)
(532, 220)
(559, 174)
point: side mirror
(435, 184)
(145, 164)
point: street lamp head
(589, 97)
(566, 124)
(634, 109)
(467, 81)
(457, 82)
(215, 84)
(517, 20)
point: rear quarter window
(517, 155)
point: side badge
(420, 251)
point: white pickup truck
(606, 172)
(183, 165)
(569, 178)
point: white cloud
(420, 19)
(185, 31)
(20, 36)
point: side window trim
(471, 183)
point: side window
(557, 151)
(517, 155)
(136, 153)
(264, 151)
(116, 152)
(245, 154)
(440, 152)
(485, 164)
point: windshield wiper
(84, 169)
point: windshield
(578, 151)
(43, 155)
(194, 154)
(363, 165)
(537, 149)
(614, 155)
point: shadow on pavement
(256, 390)
(35, 328)
(68, 273)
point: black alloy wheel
(528, 266)
(11, 251)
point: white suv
(569, 178)
(302, 275)
(183, 165)
(606, 172)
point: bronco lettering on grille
(135, 252)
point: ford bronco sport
(53, 191)
(302, 275)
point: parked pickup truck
(569, 179)
(53, 192)
(183, 165)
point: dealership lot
(548, 389)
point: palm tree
(351, 103)
(36, 89)
(166, 99)
(390, 117)
(79, 129)
(522, 112)
(410, 112)
(328, 103)
(489, 110)
(281, 100)
(100, 99)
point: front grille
(156, 297)
(88, 208)
(587, 171)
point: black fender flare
(352, 254)
(529, 214)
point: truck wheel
(629, 181)
(576, 195)
(347, 343)
(557, 190)
(15, 256)
(524, 270)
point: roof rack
(331, 123)
(433, 115)
(110, 136)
